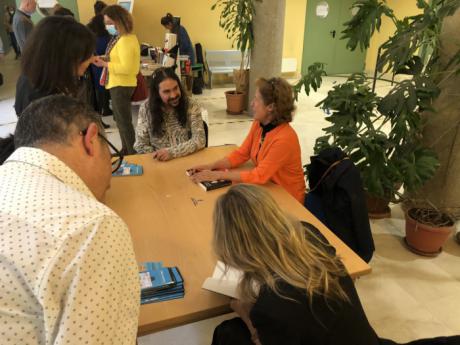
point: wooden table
(169, 218)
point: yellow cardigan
(124, 62)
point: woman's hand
(162, 155)
(206, 175)
(100, 62)
(243, 310)
(198, 168)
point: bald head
(28, 6)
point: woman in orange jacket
(271, 144)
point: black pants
(14, 43)
(235, 332)
(102, 101)
(121, 106)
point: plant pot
(377, 208)
(426, 239)
(235, 102)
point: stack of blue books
(160, 283)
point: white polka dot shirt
(68, 274)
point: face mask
(12, 12)
(111, 29)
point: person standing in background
(121, 65)
(183, 39)
(97, 26)
(59, 52)
(22, 23)
(8, 22)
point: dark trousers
(121, 106)
(14, 43)
(232, 332)
(102, 101)
(235, 332)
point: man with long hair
(169, 123)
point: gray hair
(53, 119)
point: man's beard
(174, 102)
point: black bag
(1, 79)
(198, 82)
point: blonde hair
(252, 233)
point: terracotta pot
(377, 208)
(425, 239)
(235, 102)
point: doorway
(323, 26)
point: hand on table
(206, 175)
(202, 167)
(243, 310)
(162, 155)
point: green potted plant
(383, 135)
(236, 19)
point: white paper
(225, 284)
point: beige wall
(401, 9)
(202, 23)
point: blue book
(160, 283)
(162, 298)
(129, 169)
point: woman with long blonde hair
(294, 289)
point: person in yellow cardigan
(121, 66)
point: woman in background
(97, 26)
(54, 59)
(183, 39)
(8, 22)
(121, 66)
(294, 289)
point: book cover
(224, 280)
(211, 185)
(129, 169)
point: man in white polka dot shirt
(68, 274)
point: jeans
(121, 106)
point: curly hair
(278, 92)
(156, 103)
(121, 17)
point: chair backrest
(206, 132)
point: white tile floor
(405, 297)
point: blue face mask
(111, 29)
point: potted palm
(383, 135)
(236, 19)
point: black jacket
(342, 200)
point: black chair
(206, 131)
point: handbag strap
(333, 165)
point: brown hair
(120, 16)
(278, 92)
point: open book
(225, 284)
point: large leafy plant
(236, 18)
(382, 135)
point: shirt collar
(52, 165)
(266, 128)
(24, 13)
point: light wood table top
(170, 220)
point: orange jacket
(278, 159)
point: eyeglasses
(117, 156)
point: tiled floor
(405, 297)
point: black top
(293, 322)
(25, 94)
